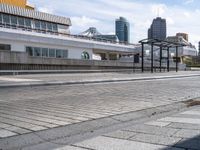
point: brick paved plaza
(29, 110)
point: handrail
(18, 27)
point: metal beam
(142, 57)
(160, 58)
(168, 59)
(152, 57)
(176, 58)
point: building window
(37, 51)
(49, 27)
(59, 53)
(28, 23)
(21, 21)
(65, 53)
(85, 55)
(52, 53)
(6, 19)
(43, 25)
(37, 25)
(5, 47)
(45, 52)
(55, 27)
(30, 50)
(14, 21)
(1, 18)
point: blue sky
(181, 15)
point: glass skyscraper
(158, 29)
(122, 29)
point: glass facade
(46, 52)
(52, 53)
(16, 22)
(37, 52)
(59, 53)
(158, 29)
(122, 29)
(30, 50)
(5, 47)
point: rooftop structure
(32, 21)
(184, 35)
(92, 32)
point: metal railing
(30, 29)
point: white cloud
(170, 21)
(83, 21)
(158, 9)
(46, 10)
(102, 14)
(188, 1)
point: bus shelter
(162, 45)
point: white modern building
(48, 36)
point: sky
(181, 15)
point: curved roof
(34, 14)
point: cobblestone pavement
(31, 109)
(177, 132)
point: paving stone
(38, 128)
(18, 130)
(4, 125)
(155, 139)
(185, 133)
(181, 120)
(152, 130)
(158, 123)
(70, 148)
(186, 116)
(121, 134)
(184, 126)
(5, 133)
(53, 146)
(106, 143)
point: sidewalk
(180, 131)
(54, 116)
(86, 78)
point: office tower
(122, 29)
(158, 29)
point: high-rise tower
(158, 29)
(122, 29)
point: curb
(95, 81)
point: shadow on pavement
(187, 144)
